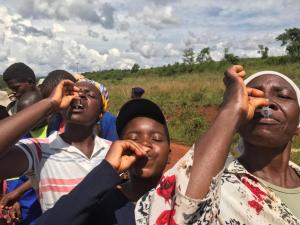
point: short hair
(28, 99)
(3, 112)
(52, 80)
(137, 92)
(20, 72)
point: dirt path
(177, 151)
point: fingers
(135, 148)
(259, 102)
(3, 202)
(69, 87)
(237, 70)
(255, 103)
(122, 154)
(255, 92)
(234, 74)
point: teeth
(77, 106)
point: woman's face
(87, 109)
(281, 126)
(152, 136)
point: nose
(273, 106)
(82, 95)
(272, 103)
(146, 143)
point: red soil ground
(177, 151)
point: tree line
(290, 38)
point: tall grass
(181, 95)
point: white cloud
(57, 28)
(92, 33)
(90, 11)
(52, 34)
(158, 16)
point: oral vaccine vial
(266, 111)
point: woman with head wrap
(262, 186)
(107, 123)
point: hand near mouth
(122, 154)
(63, 94)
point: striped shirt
(56, 167)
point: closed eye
(284, 96)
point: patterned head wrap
(103, 91)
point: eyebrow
(274, 87)
(139, 132)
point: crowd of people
(63, 155)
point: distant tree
(135, 68)
(264, 51)
(204, 56)
(229, 57)
(291, 39)
(188, 56)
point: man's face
(152, 136)
(281, 126)
(20, 87)
(87, 110)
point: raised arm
(13, 161)
(211, 151)
(76, 207)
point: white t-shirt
(56, 167)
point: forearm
(74, 208)
(211, 152)
(12, 128)
(23, 188)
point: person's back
(55, 121)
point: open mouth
(261, 119)
(76, 106)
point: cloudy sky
(97, 34)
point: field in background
(190, 99)
(189, 95)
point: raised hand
(63, 94)
(240, 98)
(122, 154)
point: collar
(57, 143)
(237, 168)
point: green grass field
(185, 91)
(183, 96)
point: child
(57, 163)
(101, 198)
(19, 78)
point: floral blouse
(235, 197)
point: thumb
(127, 162)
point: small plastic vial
(266, 111)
